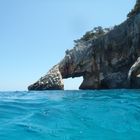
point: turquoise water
(70, 115)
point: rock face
(134, 74)
(106, 58)
(53, 80)
(136, 9)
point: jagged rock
(53, 80)
(103, 57)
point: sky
(34, 34)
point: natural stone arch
(103, 57)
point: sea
(70, 115)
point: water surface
(70, 115)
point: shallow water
(70, 115)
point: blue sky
(34, 34)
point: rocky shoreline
(106, 58)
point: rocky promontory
(105, 58)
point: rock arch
(103, 57)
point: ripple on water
(70, 115)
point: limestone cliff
(106, 58)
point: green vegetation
(93, 34)
(136, 9)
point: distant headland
(105, 58)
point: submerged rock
(106, 58)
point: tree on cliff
(93, 34)
(136, 9)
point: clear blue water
(70, 115)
